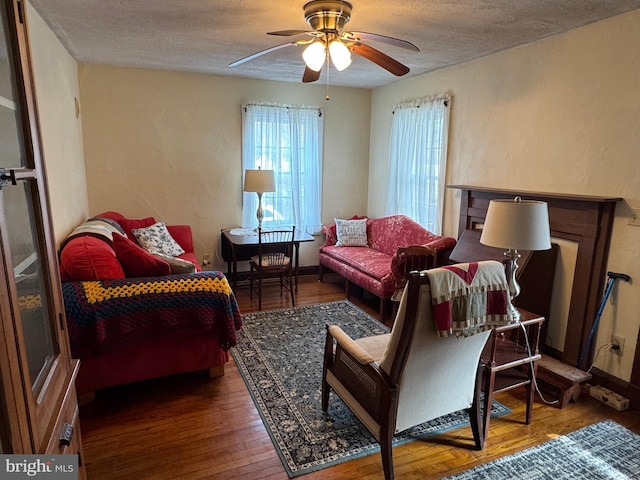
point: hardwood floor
(191, 427)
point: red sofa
(130, 318)
(375, 267)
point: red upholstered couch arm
(182, 235)
(443, 247)
(441, 243)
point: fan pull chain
(327, 98)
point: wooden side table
(509, 363)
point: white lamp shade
(340, 55)
(259, 181)
(517, 225)
(314, 56)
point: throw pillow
(351, 233)
(332, 228)
(129, 224)
(157, 239)
(177, 265)
(136, 261)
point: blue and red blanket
(105, 315)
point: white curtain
(288, 140)
(417, 160)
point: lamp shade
(340, 55)
(259, 181)
(314, 56)
(517, 225)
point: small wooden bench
(563, 377)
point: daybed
(132, 316)
(367, 255)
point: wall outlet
(206, 260)
(619, 341)
(635, 217)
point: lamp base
(259, 213)
(515, 314)
(511, 265)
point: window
(287, 140)
(417, 160)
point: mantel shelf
(530, 194)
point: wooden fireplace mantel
(584, 219)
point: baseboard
(302, 271)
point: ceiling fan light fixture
(340, 55)
(327, 19)
(314, 56)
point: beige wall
(168, 144)
(56, 80)
(560, 115)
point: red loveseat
(130, 318)
(375, 267)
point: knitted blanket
(468, 298)
(105, 315)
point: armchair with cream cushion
(412, 375)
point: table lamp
(516, 225)
(259, 181)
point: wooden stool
(563, 377)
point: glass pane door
(20, 225)
(38, 370)
(29, 279)
(10, 137)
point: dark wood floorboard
(192, 427)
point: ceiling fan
(327, 19)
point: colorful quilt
(105, 315)
(468, 298)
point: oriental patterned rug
(279, 354)
(601, 451)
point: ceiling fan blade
(397, 42)
(262, 52)
(310, 75)
(379, 58)
(288, 33)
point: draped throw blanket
(104, 315)
(475, 294)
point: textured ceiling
(206, 35)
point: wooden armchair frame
(414, 258)
(357, 377)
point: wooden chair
(274, 259)
(398, 380)
(414, 258)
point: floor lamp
(259, 181)
(516, 225)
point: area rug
(279, 354)
(604, 450)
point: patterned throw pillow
(351, 233)
(157, 239)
